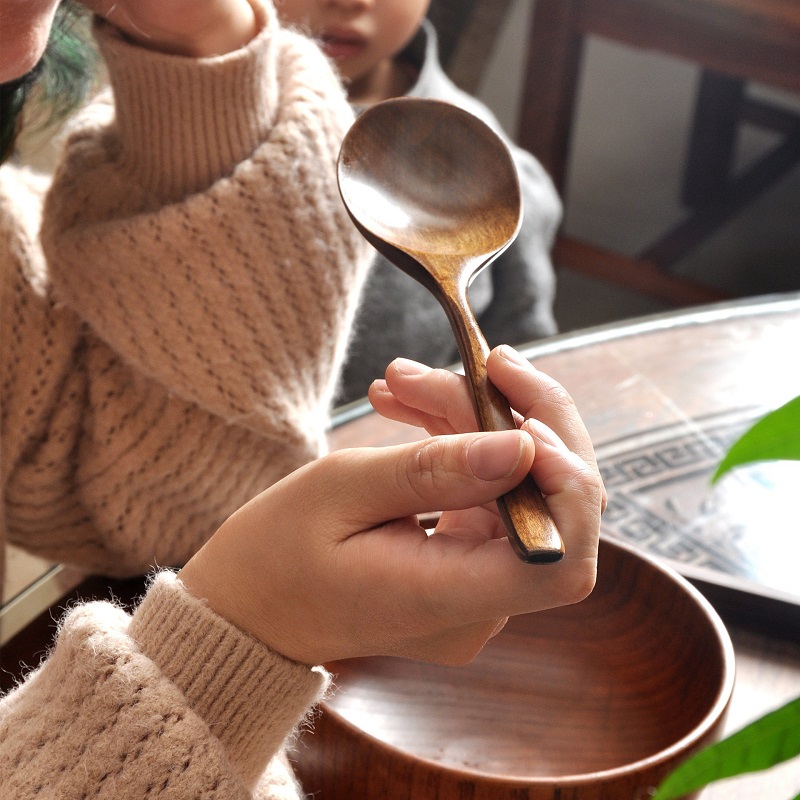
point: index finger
(536, 395)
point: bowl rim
(687, 743)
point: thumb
(441, 473)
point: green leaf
(770, 740)
(775, 437)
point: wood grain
(625, 379)
(435, 190)
(596, 700)
(654, 373)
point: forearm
(98, 460)
(128, 475)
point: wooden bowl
(597, 700)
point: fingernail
(510, 354)
(407, 367)
(495, 455)
(379, 386)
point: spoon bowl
(407, 183)
(435, 190)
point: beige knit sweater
(168, 350)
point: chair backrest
(752, 39)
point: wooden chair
(467, 31)
(734, 42)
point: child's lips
(342, 44)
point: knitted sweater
(512, 298)
(174, 349)
(168, 349)
(174, 703)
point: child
(383, 49)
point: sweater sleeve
(200, 233)
(174, 702)
(199, 280)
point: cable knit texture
(169, 345)
(177, 351)
(175, 703)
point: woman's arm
(328, 563)
(200, 259)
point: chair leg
(449, 17)
(551, 84)
(476, 42)
(712, 142)
(736, 195)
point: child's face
(361, 36)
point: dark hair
(62, 78)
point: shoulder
(21, 195)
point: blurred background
(631, 125)
(632, 122)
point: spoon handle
(528, 523)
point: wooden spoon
(434, 190)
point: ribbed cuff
(250, 697)
(185, 122)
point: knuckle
(459, 658)
(556, 394)
(582, 581)
(589, 484)
(428, 469)
(577, 581)
(460, 649)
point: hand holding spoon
(435, 191)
